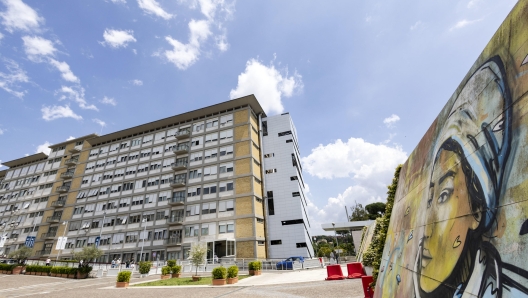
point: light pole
(65, 224)
(337, 243)
(144, 235)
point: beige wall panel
(257, 188)
(67, 213)
(257, 171)
(243, 166)
(260, 230)
(241, 132)
(253, 122)
(244, 206)
(242, 148)
(76, 183)
(244, 227)
(245, 249)
(261, 252)
(255, 153)
(241, 117)
(259, 208)
(243, 185)
(254, 136)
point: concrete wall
(459, 225)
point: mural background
(459, 225)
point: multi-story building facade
(147, 192)
(286, 217)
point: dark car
(288, 263)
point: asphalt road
(39, 286)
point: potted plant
(219, 276)
(232, 275)
(144, 268)
(72, 272)
(197, 257)
(21, 255)
(83, 271)
(123, 278)
(165, 272)
(255, 268)
(176, 271)
(64, 271)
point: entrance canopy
(347, 226)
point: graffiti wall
(459, 227)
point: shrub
(124, 276)
(46, 269)
(7, 267)
(219, 273)
(72, 271)
(232, 272)
(144, 267)
(176, 269)
(85, 269)
(31, 268)
(165, 270)
(255, 265)
(171, 263)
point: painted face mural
(459, 226)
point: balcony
(66, 175)
(53, 219)
(62, 189)
(182, 134)
(71, 162)
(58, 203)
(49, 235)
(44, 252)
(74, 150)
(177, 183)
(175, 220)
(178, 166)
(177, 201)
(173, 241)
(181, 149)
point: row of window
(279, 242)
(209, 208)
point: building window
(276, 242)
(302, 244)
(271, 171)
(269, 155)
(292, 222)
(296, 194)
(264, 128)
(261, 242)
(285, 133)
(260, 220)
(293, 178)
(271, 206)
(289, 141)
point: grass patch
(183, 281)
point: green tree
(88, 254)
(21, 254)
(197, 254)
(375, 210)
(358, 213)
(372, 256)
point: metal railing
(58, 203)
(67, 175)
(173, 241)
(43, 252)
(71, 161)
(182, 133)
(178, 200)
(55, 218)
(177, 182)
(48, 235)
(63, 188)
(181, 148)
(175, 219)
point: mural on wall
(459, 227)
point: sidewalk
(287, 277)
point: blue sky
(363, 80)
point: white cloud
(108, 101)
(56, 112)
(472, 3)
(355, 158)
(268, 84)
(368, 19)
(185, 55)
(463, 23)
(416, 25)
(221, 43)
(153, 7)
(20, 16)
(2, 131)
(118, 1)
(36, 47)
(65, 70)
(14, 75)
(1, 36)
(118, 38)
(70, 138)
(99, 122)
(44, 148)
(76, 95)
(137, 82)
(391, 120)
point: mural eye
(429, 202)
(444, 196)
(499, 126)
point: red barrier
(355, 270)
(334, 272)
(368, 291)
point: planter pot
(165, 276)
(54, 274)
(71, 275)
(231, 281)
(64, 275)
(18, 269)
(82, 275)
(176, 275)
(219, 282)
(196, 277)
(122, 284)
(255, 272)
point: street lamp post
(337, 243)
(65, 224)
(144, 235)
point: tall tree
(375, 210)
(358, 213)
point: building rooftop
(347, 226)
(25, 160)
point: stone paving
(303, 283)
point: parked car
(8, 261)
(288, 263)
